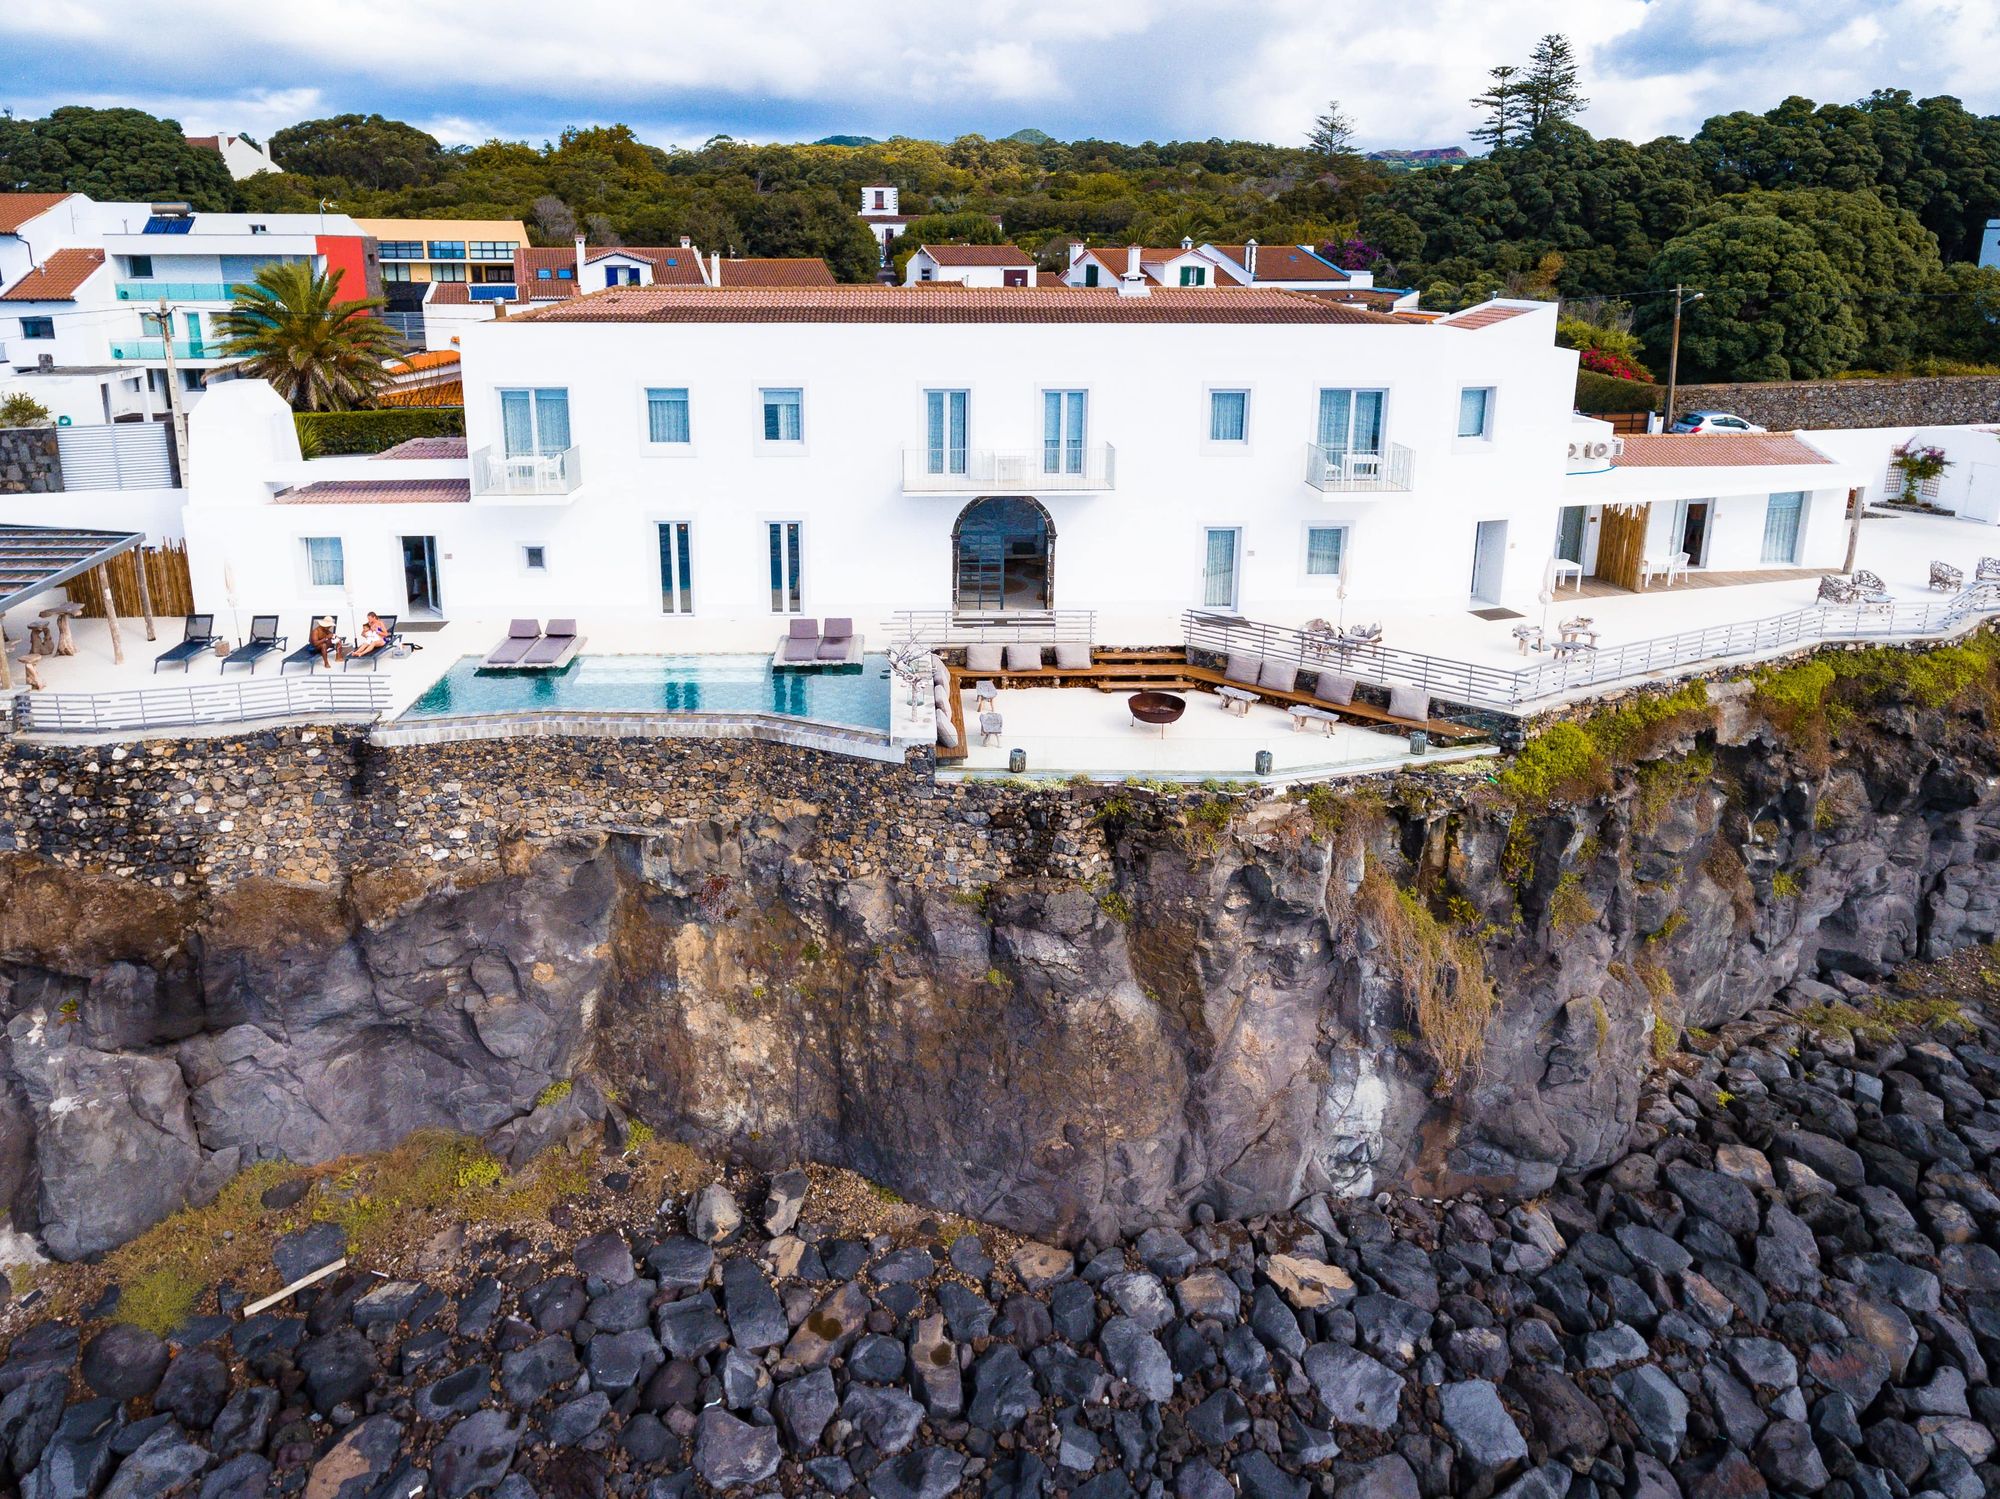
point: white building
(970, 265)
(243, 156)
(717, 459)
(882, 212)
(81, 284)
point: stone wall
(30, 461)
(1783, 405)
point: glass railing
(499, 474)
(156, 348)
(179, 291)
(1334, 469)
(1053, 466)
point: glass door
(1691, 534)
(1569, 533)
(1062, 431)
(1218, 574)
(420, 577)
(945, 413)
(787, 567)
(1350, 421)
(676, 576)
(534, 422)
(1782, 514)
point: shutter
(128, 455)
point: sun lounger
(558, 643)
(350, 660)
(521, 637)
(198, 636)
(308, 655)
(800, 643)
(837, 641)
(264, 639)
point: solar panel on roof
(160, 224)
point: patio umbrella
(1340, 592)
(1548, 593)
(229, 595)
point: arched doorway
(1001, 551)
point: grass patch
(1879, 1017)
(1603, 1018)
(1674, 922)
(1335, 814)
(1664, 1038)
(1659, 784)
(1785, 885)
(1205, 824)
(1725, 866)
(1569, 907)
(1442, 975)
(1574, 761)
(1659, 983)
(1114, 904)
(553, 1094)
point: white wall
(157, 512)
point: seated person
(374, 635)
(324, 641)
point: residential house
(1293, 267)
(882, 212)
(243, 156)
(1181, 266)
(970, 265)
(416, 252)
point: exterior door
(1570, 533)
(1691, 530)
(1218, 573)
(1001, 550)
(1782, 514)
(1489, 561)
(420, 577)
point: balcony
(1059, 469)
(1336, 470)
(156, 348)
(525, 476)
(177, 291)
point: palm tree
(320, 353)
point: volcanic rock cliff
(1163, 1000)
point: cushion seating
(947, 731)
(1334, 688)
(1278, 676)
(1024, 658)
(1242, 669)
(1073, 656)
(982, 658)
(1410, 702)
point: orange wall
(346, 253)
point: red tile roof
(945, 304)
(1286, 263)
(17, 209)
(424, 359)
(448, 294)
(804, 270)
(671, 267)
(207, 142)
(1483, 316)
(426, 447)
(379, 492)
(1717, 450)
(57, 278)
(1012, 255)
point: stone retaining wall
(30, 461)
(1783, 405)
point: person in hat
(325, 641)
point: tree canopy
(111, 154)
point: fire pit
(1156, 709)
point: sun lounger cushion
(982, 658)
(1024, 658)
(947, 732)
(941, 696)
(1278, 676)
(1409, 702)
(1073, 656)
(1335, 689)
(804, 629)
(940, 673)
(1242, 669)
(838, 629)
(802, 648)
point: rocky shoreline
(1789, 1285)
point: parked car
(1704, 422)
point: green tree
(22, 410)
(1332, 135)
(1961, 319)
(815, 221)
(292, 328)
(367, 150)
(1775, 307)
(111, 154)
(1499, 108)
(1550, 88)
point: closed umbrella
(229, 596)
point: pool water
(665, 684)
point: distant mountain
(847, 140)
(1415, 161)
(1030, 137)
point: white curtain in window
(551, 421)
(325, 566)
(1472, 413)
(1227, 410)
(782, 416)
(1782, 513)
(1323, 548)
(667, 415)
(1219, 591)
(944, 431)
(517, 422)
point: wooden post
(111, 614)
(145, 593)
(6, 666)
(1856, 508)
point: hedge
(339, 432)
(1607, 393)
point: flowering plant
(1351, 254)
(1604, 362)
(1918, 466)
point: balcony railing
(1052, 468)
(503, 475)
(178, 291)
(1331, 469)
(156, 348)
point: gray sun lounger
(556, 646)
(264, 639)
(522, 635)
(308, 654)
(373, 659)
(801, 642)
(198, 636)
(838, 640)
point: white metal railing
(969, 627)
(1053, 467)
(499, 473)
(224, 702)
(1331, 469)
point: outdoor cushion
(1279, 676)
(1242, 669)
(1024, 658)
(838, 628)
(1073, 656)
(947, 732)
(1334, 688)
(941, 696)
(803, 629)
(982, 658)
(940, 673)
(1409, 702)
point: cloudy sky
(1121, 69)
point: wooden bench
(1357, 711)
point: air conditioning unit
(1010, 468)
(45, 361)
(1600, 450)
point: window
(543, 273)
(535, 558)
(326, 564)
(784, 415)
(676, 572)
(1218, 574)
(945, 415)
(447, 273)
(1063, 415)
(1350, 421)
(621, 275)
(1475, 410)
(1194, 275)
(1228, 416)
(141, 265)
(534, 421)
(786, 567)
(38, 327)
(1090, 274)
(667, 415)
(402, 249)
(392, 274)
(447, 249)
(1782, 514)
(491, 249)
(1326, 546)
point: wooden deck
(1604, 588)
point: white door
(1489, 561)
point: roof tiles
(57, 278)
(945, 304)
(1718, 450)
(379, 492)
(17, 209)
(1012, 255)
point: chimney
(1075, 251)
(686, 243)
(1250, 259)
(1187, 242)
(1131, 261)
(579, 264)
(715, 269)
(1133, 282)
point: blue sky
(1128, 70)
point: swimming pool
(665, 684)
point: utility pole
(1674, 355)
(178, 418)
